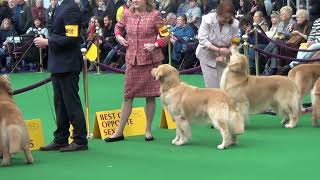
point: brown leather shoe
(53, 147)
(74, 147)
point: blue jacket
(185, 33)
(64, 47)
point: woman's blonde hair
(3, 21)
(150, 6)
(304, 13)
(286, 9)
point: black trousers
(68, 108)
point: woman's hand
(296, 33)
(122, 41)
(224, 52)
(149, 47)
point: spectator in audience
(299, 35)
(38, 11)
(275, 18)
(22, 17)
(6, 30)
(167, 6)
(313, 42)
(141, 57)
(183, 7)
(257, 5)
(244, 8)
(12, 4)
(97, 40)
(283, 32)
(314, 10)
(181, 34)
(5, 11)
(215, 34)
(259, 20)
(268, 6)
(32, 60)
(207, 5)
(49, 14)
(104, 8)
(85, 10)
(91, 29)
(119, 3)
(171, 20)
(194, 15)
(121, 9)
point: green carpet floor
(266, 151)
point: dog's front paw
(221, 146)
(175, 140)
(5, 163)
(180, 142)
(289, 125)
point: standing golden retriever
(315, 98)
(256, 94)
(304, 76)
(14, 136)
(189, 104)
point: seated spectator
(167, 6)
(32, 59)
(244, 8)
(299, 35)
(194, 15)
(207, 5)
(104, 8)
(183, 7)
(182, 33)
(121, 9)
(275, 18)
(6, 31)
(283, 32)
(5, 11)
(171, 20)
(91, 30)
(260, 21)
(97, 40)
(22, 17)
(38, 11)
(49, 14)
(313, 42)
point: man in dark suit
(65, 64)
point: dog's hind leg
(5, 150)
(27, 154)
(226, 137)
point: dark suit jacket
(64, 51)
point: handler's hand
(149, 47)
(122, 41)
(40, 42)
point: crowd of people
(183, 18)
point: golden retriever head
(238, 64)
(166, 74)
(5, 85)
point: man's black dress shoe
(53, 147)
(74, 147)
(119, 138)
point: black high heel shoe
(119, 138)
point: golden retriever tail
(16, 138)
(235, 119)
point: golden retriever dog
(189, 104)
(304, 76)
(315, 99)
(255, 94)
(14, 136)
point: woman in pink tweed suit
(141, 24)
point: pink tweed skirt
(139, 81)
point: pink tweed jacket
(141, 29)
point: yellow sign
(92, 53)
(35, 132)
(106, 122)
(166, 120)
(72, 30)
